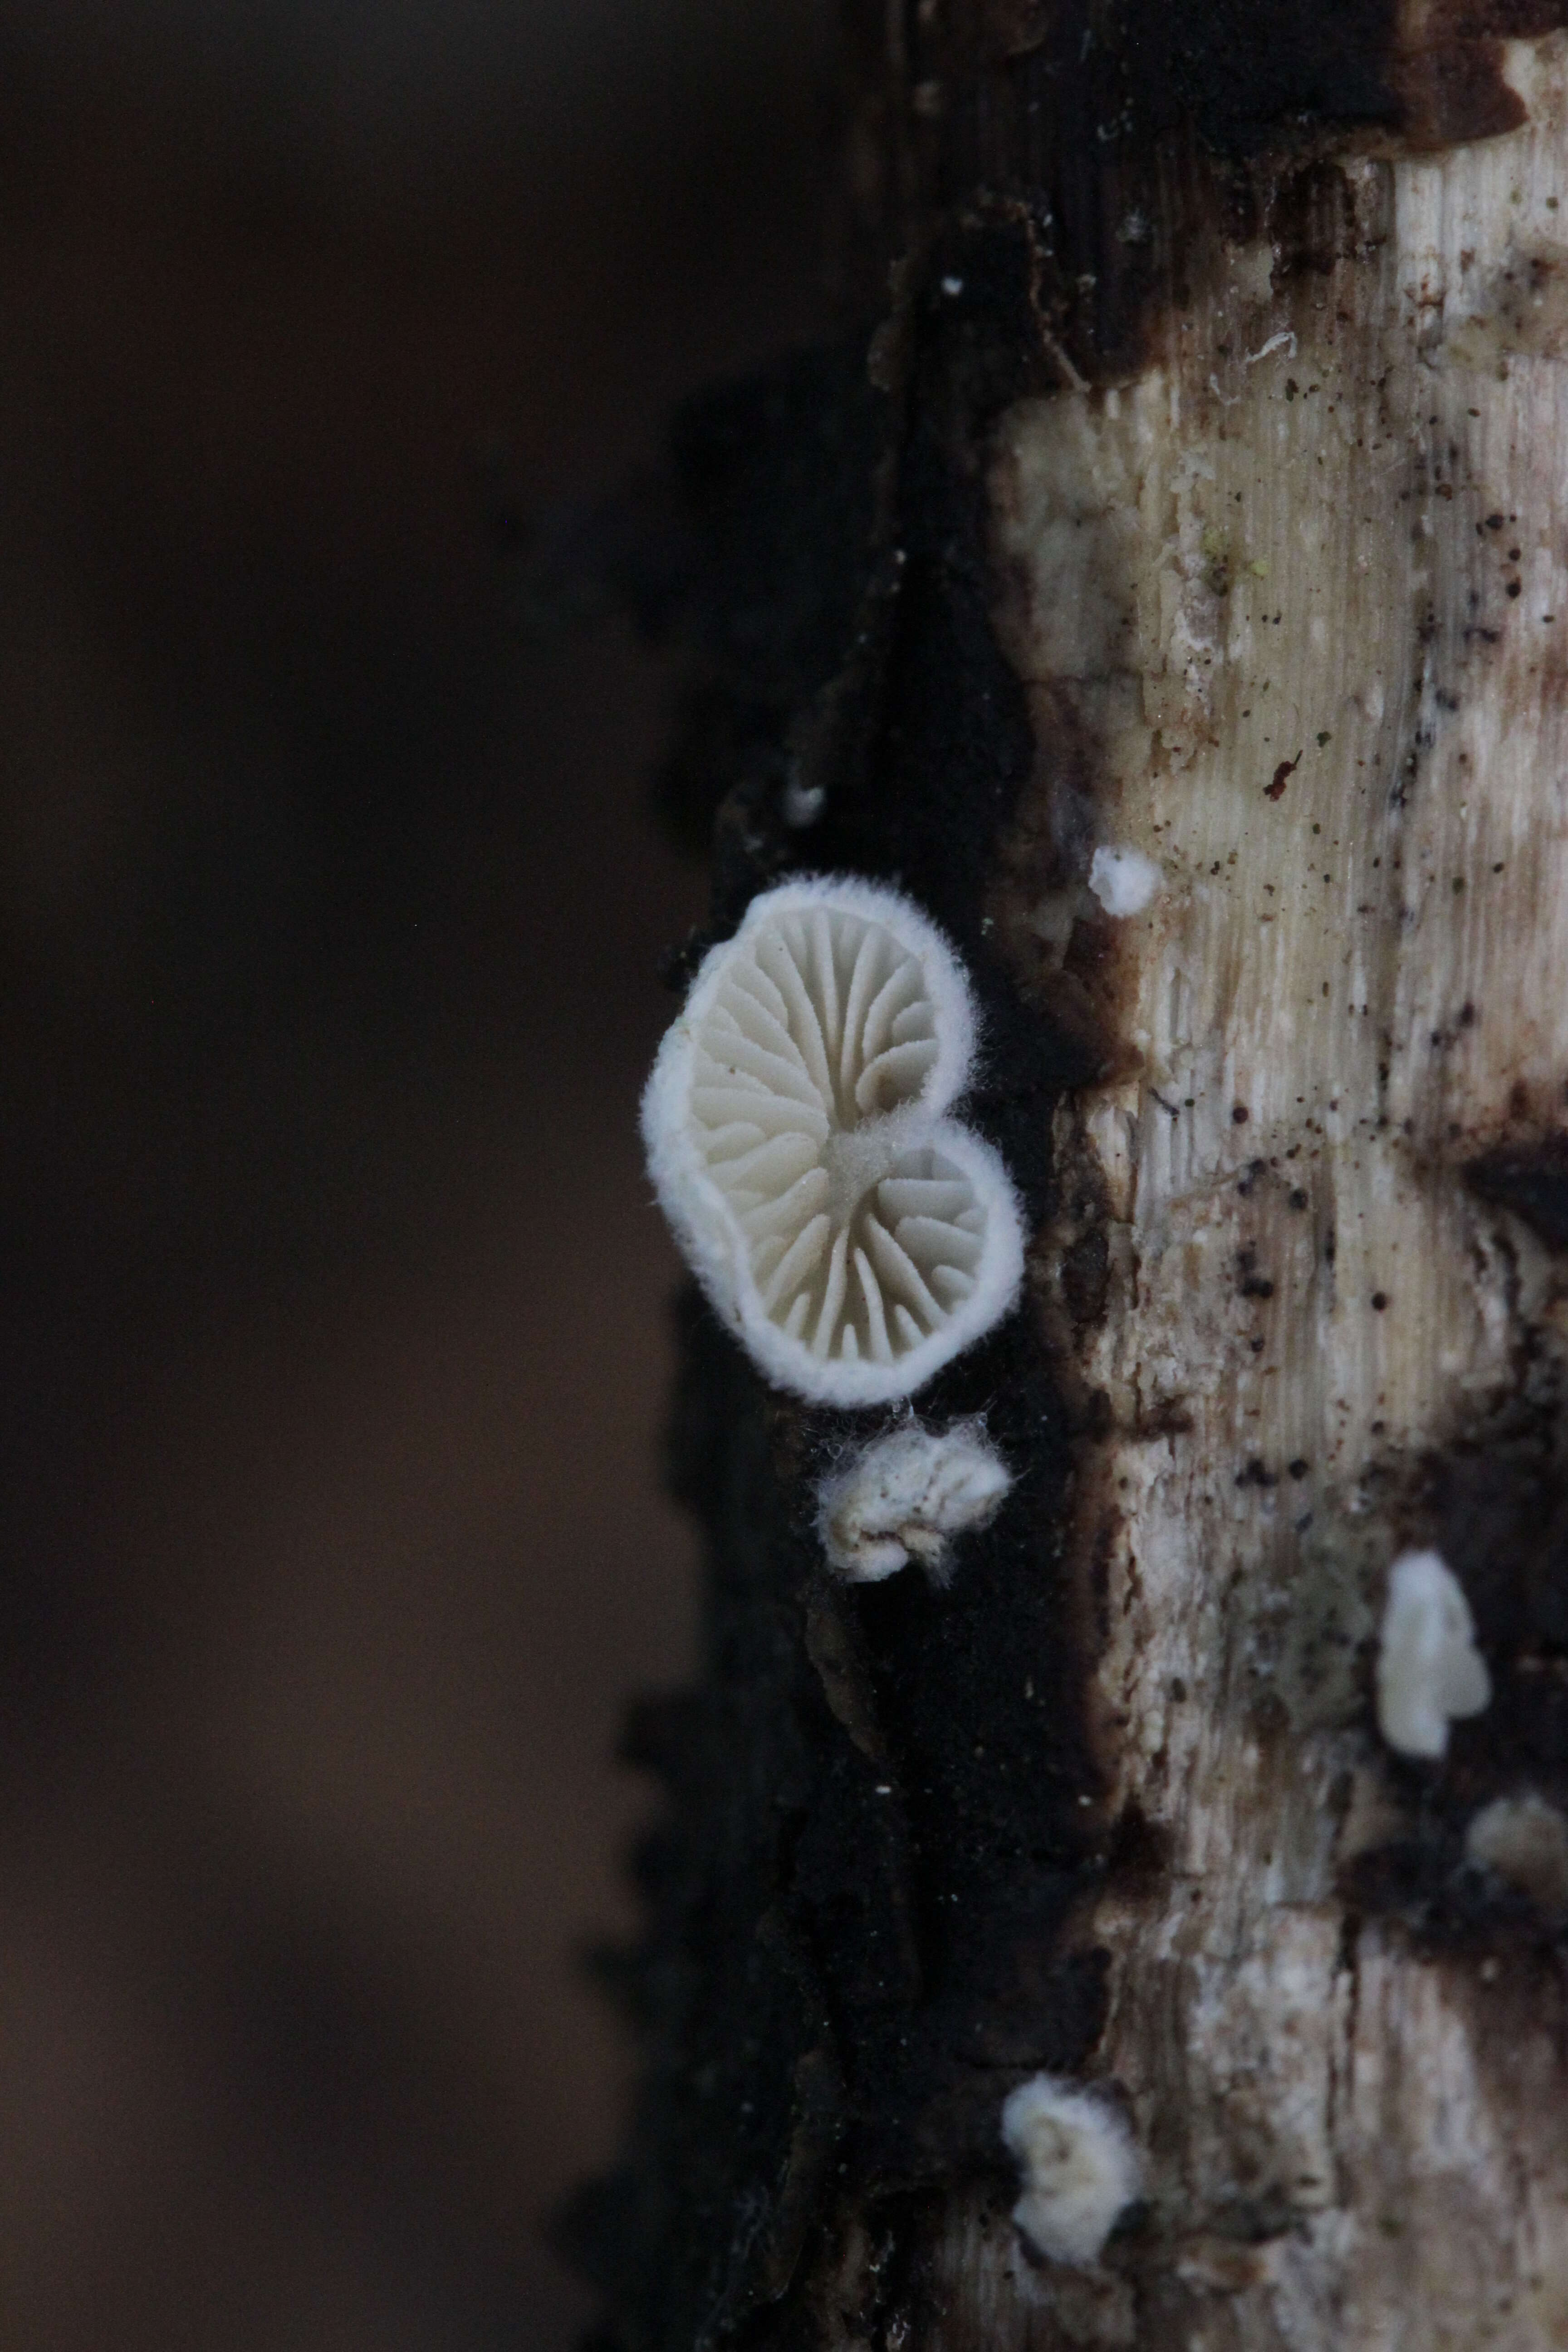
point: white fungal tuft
(1079, 2165)
(1525, 1841)
(852, 1233)
(908, 1493)
(1124, 880)
(1429, 1671)
(803, 803)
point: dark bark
(872, 1848)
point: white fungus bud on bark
(1079, 2166)
(852, 1233)
(1123, 880)
(803, 803)
(1429, 1672)
(1525, 1841)
(906, 1496)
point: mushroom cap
(854, 1235)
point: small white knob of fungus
(1525, 1841)
(852, 1233)
(1079, 2166)
(909, 1494)
(803, 803)
(1429, 1672)
(1124, 879)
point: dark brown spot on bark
(1010, 28)
(1139, 1854)
(1114, 127)
(1282, 774)
(1531, 1179)
(1086, 1272)
(1270, 1716)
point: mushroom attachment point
(852, 1233)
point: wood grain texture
(1293, 597)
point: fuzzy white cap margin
(809, 1077)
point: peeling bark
(1210, 480)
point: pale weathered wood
(1296, 591)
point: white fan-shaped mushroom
(854, 1235)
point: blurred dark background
(332, 1341)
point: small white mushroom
(1079, 2166)
(1429, 1672)
(803, 803)
(1525, 1841)
(852, 1233)
(1124, 879)
(908, 1493)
